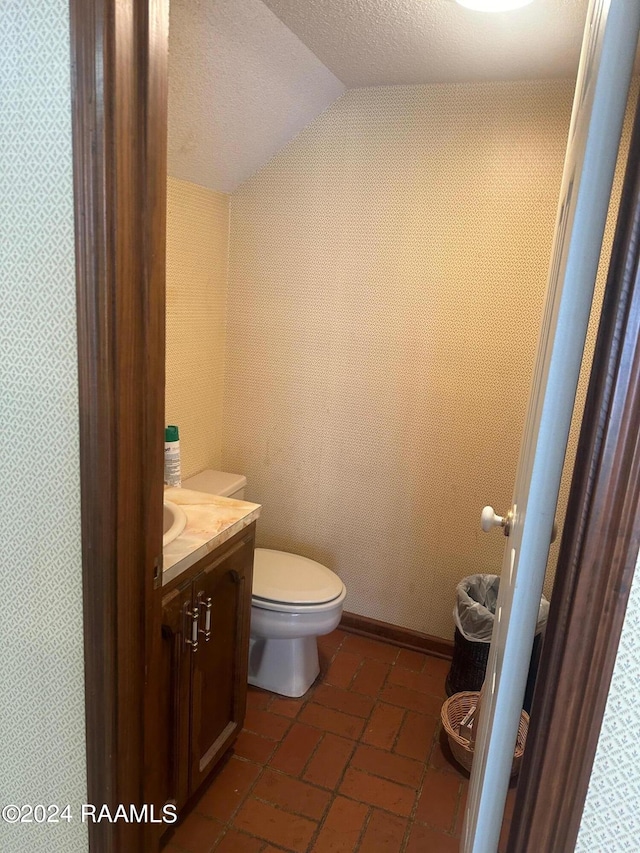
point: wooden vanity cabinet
(206, 684)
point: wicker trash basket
(453, 711)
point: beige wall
(197, 263)
(387, 275)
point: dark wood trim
(118, 64)
(154, 51)
(406, 638)
(596, 563)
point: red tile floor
(359, 763)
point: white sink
(174, 522)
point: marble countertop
(211, 520)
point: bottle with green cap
(172, 456)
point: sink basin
(174, 522)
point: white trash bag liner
(474, 612)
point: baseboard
(398, 636)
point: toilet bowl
(294, 601)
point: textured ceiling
(245, 76)
(241, 85)
(391, 42)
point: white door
(603, 80)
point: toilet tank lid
(291, 579)
(216, 482)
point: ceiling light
(493, 5)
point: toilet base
(288, 667)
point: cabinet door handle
(191, 626)
(206, 604)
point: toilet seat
(301, 609)
(290, 583)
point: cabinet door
(176, 674)
(222, 594)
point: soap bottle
(172, 457)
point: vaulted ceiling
(391, 42)
(245, 76)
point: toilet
(294, 601)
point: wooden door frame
(119, 118)
(596, 563)
(119, 85)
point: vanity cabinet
(205, 631)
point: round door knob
(489, 520)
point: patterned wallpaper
(41, 654)
(197, 263)
(387, 276)
(611, 820)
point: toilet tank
(218, 483)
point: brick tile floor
(359, 763)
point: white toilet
(295, 600)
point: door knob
(489, 519)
